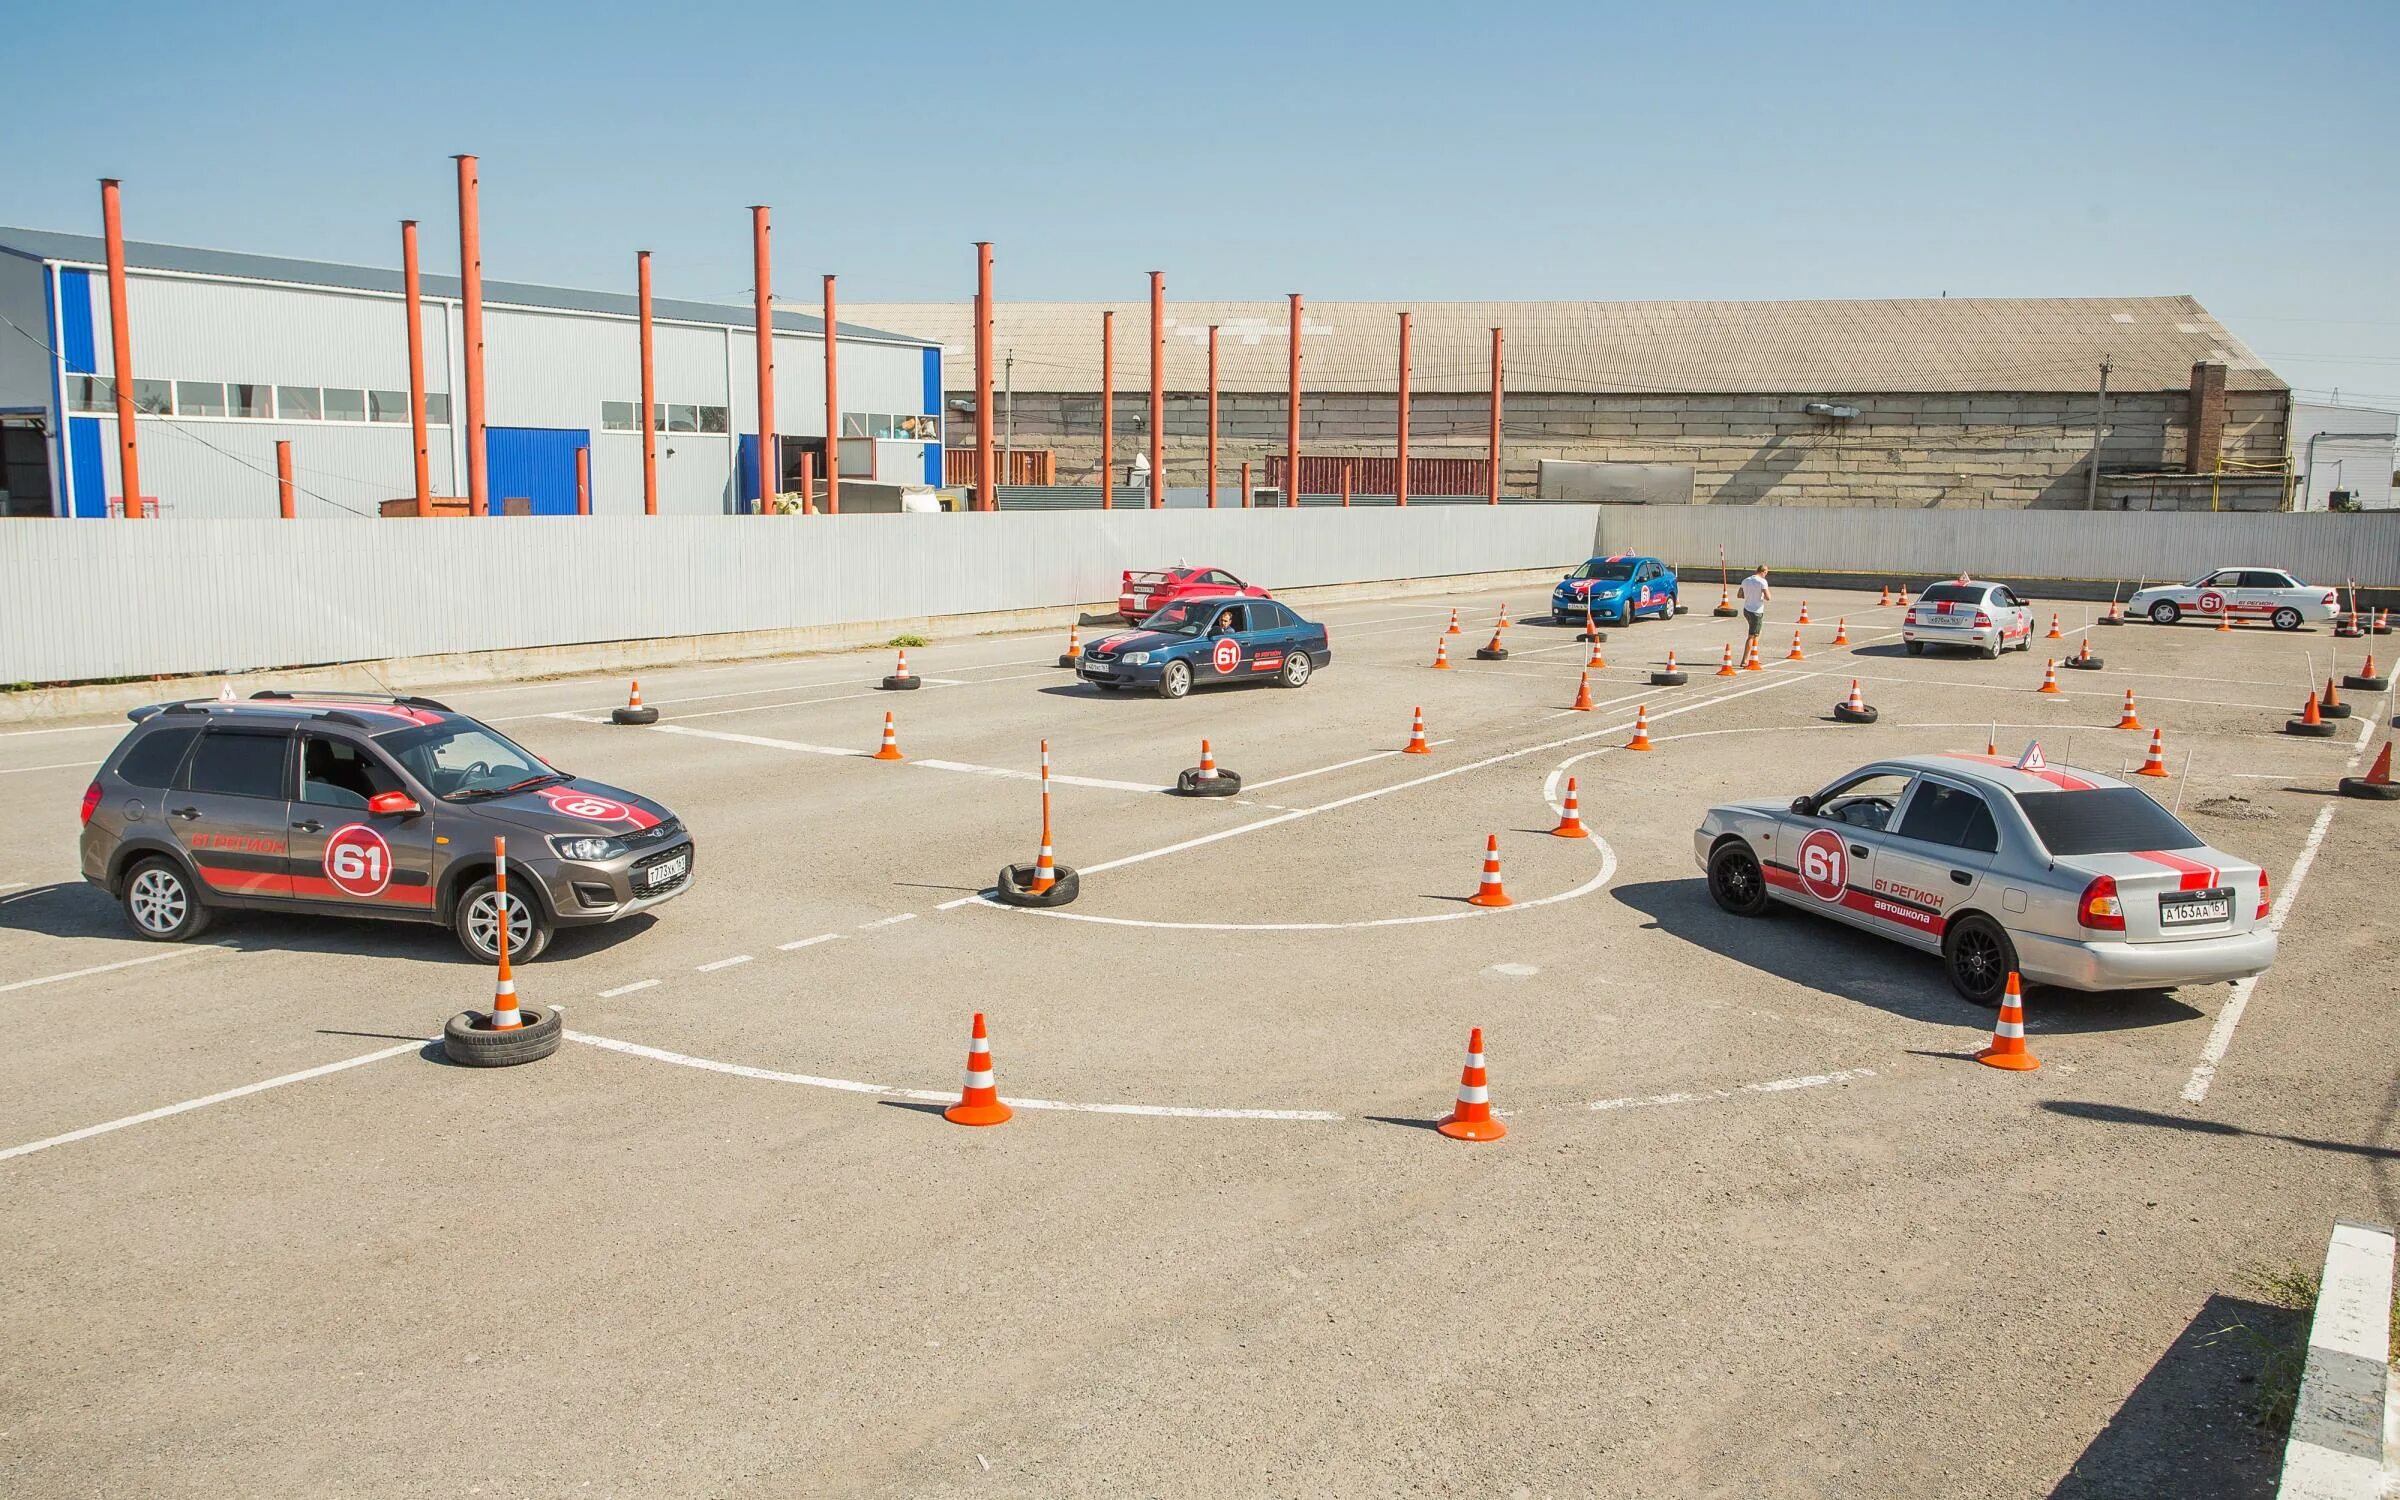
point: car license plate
(666, 871)
(2195, 908)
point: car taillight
(2329, 600)
(1910, 618)
(2101, 909)
(91, 801)
(2262, 895)
(1982, 620)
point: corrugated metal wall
(2101, 546)
(244, 594)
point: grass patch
(2283, 1352)
(908, 640)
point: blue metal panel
(535, 463)
(933, 403)
(91, 474)
(745, 474)
(75, 322)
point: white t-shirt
(1754, 595)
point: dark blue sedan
(1619, 590)
(1197, 641)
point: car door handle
(1961, 877)
(310, 825)
(185, 813)
(1858, 851)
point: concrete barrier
(2340, 1424)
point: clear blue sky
(2244, 153)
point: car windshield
(1953, 593)
(2103, 820)
(459, 761)
(1603, 572)
(1181, 619)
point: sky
(2242, 153)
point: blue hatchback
(1203, 640)
(1618, 589)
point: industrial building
(1978, 402)
(232, 352)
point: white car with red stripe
(1967, 612)
(2068, 877)
(2247, 592)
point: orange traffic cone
(1750, 659)
(1074, 649)
(891, 742)
(2331, 703)
(1641, 728)
(1416, 737)
(1570, 817)
(2055, 634)
(2311, 720)
(2376, 785)
(1991, 743)
(2225, 619)
(1884, 601)
(1045, 864)
(1841, 630)
(2129, 720)
(633, 699)
(1441, 654)
(1797, 653)
(1902, 599)
(1857, 704)
(505, 1015)
(2049, 677)
(1490, 892)
(1597, 661)
(1453, 630)
(978, 1097)
(1724, 599)
(2086, 653)
(1725, 669)
(2008, 1034)
(631, 713)
(1471, 1118)
(1208, 762)
(1495, 645)
(1803, 618)
(1583, 695)
(2156, 765)
(902, 669)
(1503, 625)
(2112, 617)
(1591, 627)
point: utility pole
(2091, 477)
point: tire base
(1599, 637)
(2334, 710)
(1013, 887)
(1669, 679)
(1848, 715)
(1491, 653)
(907, 684)
(2085, 663)
(2318, 731)
(633, 716)
(1724, 611)
(2366, 684)
(466, 1042)
(2110, 620)
(2369, 791)
(1065, 660)
(1189, 783)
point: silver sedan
(2068, 877)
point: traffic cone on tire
(1208, 762)
(632, 712)
(505, 1015)
(891, 742)
(1441, 654)
(1641, 728)
(2049, 677)
(1797, 653)
(2377, 784)
(1857, 704)
(1583, 695)
(2008, 1034)
(2156, 765)
(1074, 651)
(1570, 817)
(1490, 892)
(1470, 1119)
(1416, 736)
(1045, 864)
(2330, 702)
(1725, 668)
(2129, 720)
(978, 1096)
(1841, 630)
(901, 671)
(633, 698)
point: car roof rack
(271, 694)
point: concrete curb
(2341, 1422)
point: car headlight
(1137, 659)
(587, 847)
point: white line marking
(627, 989)
(723, 963)
(153, 958)
(762, 741)
(1772, 1086)
(56, 765)
(2220, 1036)
(88, 1131)
(115, 726)
(810, 942)
(891, 921)
(1319, 771)
(1056, 777)
(961, 901)
(851, 1086)
(11, 885)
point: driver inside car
(1861, 812)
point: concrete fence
(84, 600)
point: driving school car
(1985, 617)
(2068, 877)
(1140, 594)
(1193, 642)
(1619, 589)
(2239, 593)
(343, 804)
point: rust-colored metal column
(120, 344)
(833, 414)
(1245, 484)
(1492, 462)
(1158, 389)
(770, 468)
(283, 477)
(412, 290)
(641, 280)
(1346, 484)
(1212, 416)
(583, 480)
(470, 317)
(1108, 408)
(808, 482)
(1400, 469)
(987, 477)
(1291, 447)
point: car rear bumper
(2128, 966)
(1950, 635)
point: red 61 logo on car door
(1228, 654)
(1824, 865)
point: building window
(437, 408)
(345, 406)
(92, 393)
(617, 416)
(250, 401)
(714, 419)
(298, 403)
(682, 418)
(199, 398)
(387, 406)
(854, 424)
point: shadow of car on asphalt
(1825, 955)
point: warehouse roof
(1926, 344)
(88, 250)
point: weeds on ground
(908, 640)
(2283, 1351)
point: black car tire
(1296, 670)
(2366, 684)
(2165, 612)
(1979, 957)
(1916, 648)
(2286, 618)
(642, 715)
(899, 684)
(2372, 791)
(1848, 715)
(1992, 651)
(1737, 882)
(1015, 882)
(470, 1044)
(2333, 710)
(1190, 783)
(1724, 611)
(1491, 653)
(2323, 729)
(1669, 679)
(1175, 680)
(169, 895)
(2084, 663)
(539, 928)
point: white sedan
(2241, 593)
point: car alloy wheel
(158, 901)
(483, 925)
(2164, 612)
(1735, 880)
(1176, 680)
(1980, 958)
(2287, 618)
(1296, 667)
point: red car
(1142, 593)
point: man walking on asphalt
(1755, 595)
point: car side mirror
(392, 804)
(1804, 805)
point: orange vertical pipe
(1345, 484)
(988, 480)
(583, 480)
(470, 298)
(770, 472)
(1400, 469)
(808, 481)
(283, 477)
(1158, 389)
(120, 345)
(1108, 408)
(833, 414)
(1245, 484)
(1291, 451)
(1492, 481)
(413, 296)
(1212, 416)
(641, 282)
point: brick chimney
(2207, 418)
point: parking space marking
(188, 1105)
(1771, 1086)
(56, 765)
(627, 989)
(724, 963)
(2237, 1000)
(890, 921)
(150, 958)
(1011, 773)
(852, 1086)
(807, 942)
(1338, 765)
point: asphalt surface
(1759, 1226)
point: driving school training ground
(1757, 1226)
